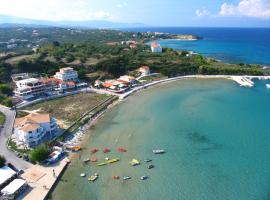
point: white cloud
(121, 5)
(55, 10)
(250, 8)
(202, 12)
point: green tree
(40, 153)
(2, 161)
(5, 89)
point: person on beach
(54, 173)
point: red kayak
(106, 150)
(94, 159)
(121, 149)
(94, 150)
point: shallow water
(216, 135)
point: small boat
(150, 166)
(94, 150)
(94, 159)
(106, 158)
(147, 160)
(113, 160)
(144, 177)
(103, 163)
(121, 149)
(116, 177)
(106, 150)
(93, 178)
(86, 160)
(82, 175)
(109, 161)
(126, 177)
(134, 162)
(268, 86)
(73, 148)
(158, 151)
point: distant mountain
(11, 21)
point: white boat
(268, 86)
(144, 177)
(158, 151)
(126, 177)
(82, 174)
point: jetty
(42, 179)
(243, 81)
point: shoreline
(86, 128)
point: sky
(232, 13)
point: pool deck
(42, 179)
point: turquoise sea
(216, 135)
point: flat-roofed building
(6, 174)
(67, 74)
(13, 189)
(29, 88)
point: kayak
(109, 161)
(106, 150)
(144, 177)
(113, 160)
(126, 177)
(94, 150)
(158, 151)
(134, 162)
(121, 149)
(93, 178)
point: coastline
(243, 81)
(86, 129)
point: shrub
(39, 154)
(2, 161)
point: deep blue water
(232, 45)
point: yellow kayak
(93, 178)
(134, 162)
(113, 160)
(109, 162)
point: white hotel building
(29, 88)
(34, 129)
(67, 74)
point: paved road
(4, 134)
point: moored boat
(126, 177)
(144, 177)
(158, 151)
(93, 178)
(94, 150)
(86, 160)
(94, 159)
(82, 175)
(134, 162)
(113, 160)
(150, 166)
(268, 86)
(109, 161)
(106, 150)
(116, 177)
(147, 160)
(121, 149)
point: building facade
(156, 48)
(29, 88)
(35, 129)
(66, 74)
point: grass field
(2, 119)
(67, 109)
